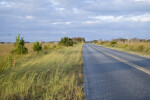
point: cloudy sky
(50, 20)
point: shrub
(102, 42)
(74, 42)
(37, 46)
(66, 41)
(113, 43)
(54, 46)
(46, 47)
(19, 46)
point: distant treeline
(78, 39)
(124, 40)
(33, 42)
(74, 39)
(70, 41)
(131, 40)
(37, 45)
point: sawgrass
(54, 75)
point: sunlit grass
(140, 48)
(6, 48)
(54, 76)
(6, 58)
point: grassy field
(6, 58)
(140, 48)
(54, 74)
(6, 48)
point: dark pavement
(107, 78)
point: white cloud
(22, 5)
(65, 23)
(89, 1)
(54, 2)
(108, 18)
(29, 17)
(60, 9)
(75, 10)
(139, 18)
(4, 4)
(56, 23)
(91, 22)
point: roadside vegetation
(66, 41)
(133, 45)
(19, 46)
(49, 72)
(11, 53)
(38, 47)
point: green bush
(113, 43)
(37, 46)
(54, 46)
(66, 41)
(102, 42)
(46, 47)
(74, 42)
(19, 46)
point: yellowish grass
(6, 48)
(140, 48)
(54, 76)
(7, 60)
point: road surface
(115, 75)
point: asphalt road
(115, 75)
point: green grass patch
(56, 75)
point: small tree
(113, 43)
(66, 41)
(37, 46)
(19, 46)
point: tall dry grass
(143, 47)
(8, 60)
(6, 48)
(56, 75)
